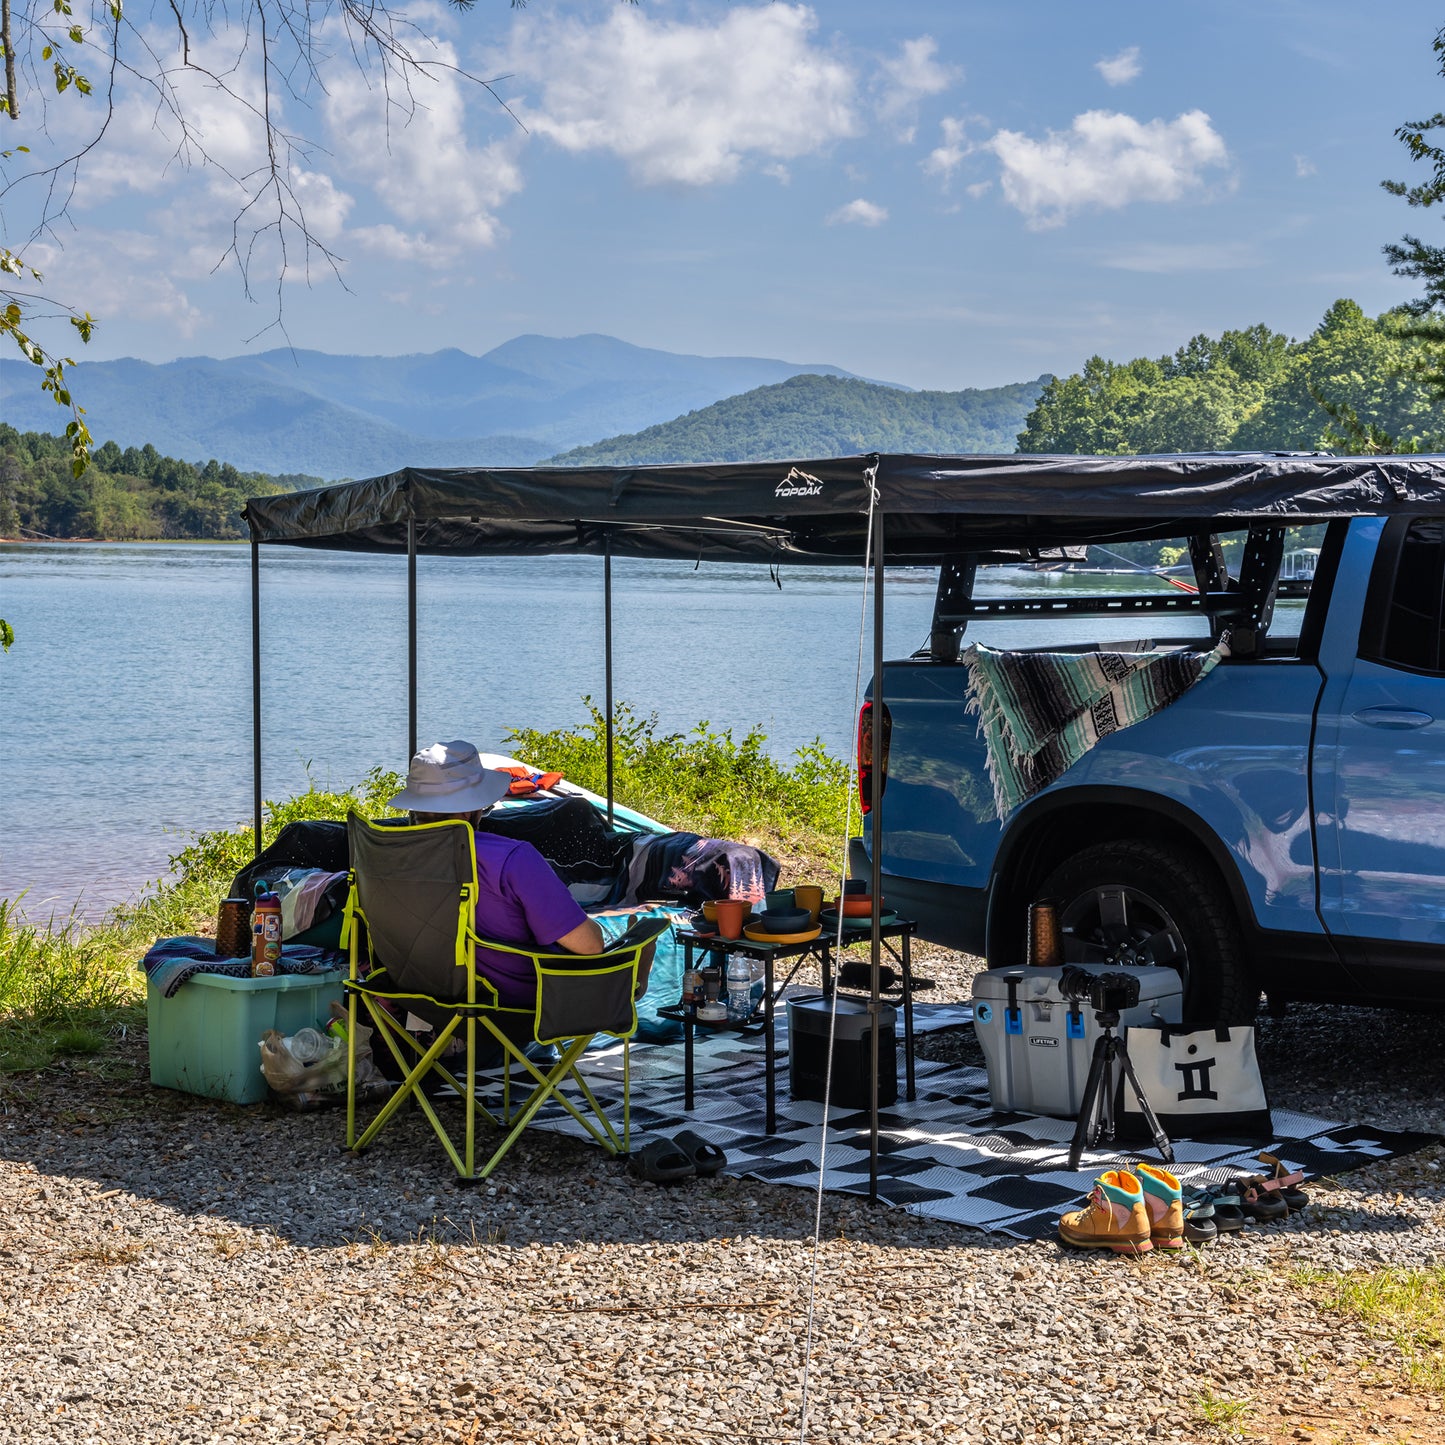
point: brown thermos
(1046, 945)
(233, 928)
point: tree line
(130, 494)
(1356, 384)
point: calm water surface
(125, 705)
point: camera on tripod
(1106, 992)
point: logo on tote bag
(1196, 1077)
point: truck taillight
(867, 753)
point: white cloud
(857, 213)
(905, 79)
(680, 102)
(1105, 161)
(946, 158)
(1304, 166)
(443, 192)
(118, 275)
(1120, 69)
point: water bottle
(740, 989)
(265, 932)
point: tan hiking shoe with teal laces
(1115, 1217)
(1164, 1203)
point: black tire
(1142, 902)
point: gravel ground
(174, 1269)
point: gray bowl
(784, 920)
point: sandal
(1227, 1214)
(1259, 1202)
(1199, 1230)
(705, 1157)
(1286, 1183)
(661, 1162)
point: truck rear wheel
(1140, 902)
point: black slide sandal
(661, 1162)
(707, 1159)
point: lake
(125, 704)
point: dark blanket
(612, 868)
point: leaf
(47, 52)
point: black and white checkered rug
(947, 1155)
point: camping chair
(412, 898)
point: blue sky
(940, 193)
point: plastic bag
(322, 1081)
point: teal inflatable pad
(664, 987)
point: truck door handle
(1396, 718)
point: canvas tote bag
(1202, 1084)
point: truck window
(1410, 634)
(1137, 568)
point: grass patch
(1228, 1417)
(1405, 1306)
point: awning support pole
(256, 687)
(875, 886)
(411, 638)
(607, 655)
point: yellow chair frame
(553, 1020)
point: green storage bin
(204, 1038)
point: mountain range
(528, 400)
(359, 416)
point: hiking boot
(1114, 1218)
(1163, 1202)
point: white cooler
(1038, 1047)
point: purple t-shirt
(520, 900)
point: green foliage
(1194, 400)
(135, 494)
(703, 781)
(54, 973)
(1354, 385)
(13, 324)
(1413, 257)
(218, 856)
(823, 416)
(1351, 366)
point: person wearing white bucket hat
(520, 900)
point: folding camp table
(896, 935)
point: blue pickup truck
(1279, 828)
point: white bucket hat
(450, 778)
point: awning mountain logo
(799, 484)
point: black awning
(815, 511)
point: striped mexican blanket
(1040, 712)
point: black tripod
(1096, 1110)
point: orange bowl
(855, 905)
